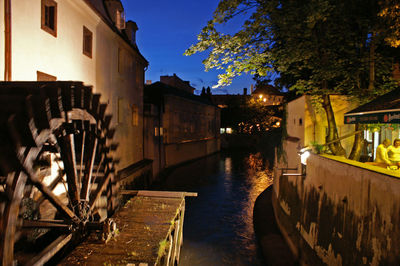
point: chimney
(148, 82)
(116, 12)
(130, 30)
(244, 91)
(251, 88)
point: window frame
(86, 33)
(44, 24)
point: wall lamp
(304, 154)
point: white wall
(296, 111)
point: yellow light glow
(260, 96)
(264, 100)
(229, 130)
(278, 123)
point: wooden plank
(292, 174)
(142, 223)
(161, 194)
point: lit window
(87, 42)
(222, 130)
(49, 17)
(228, 130)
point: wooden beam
(161, 194)
(7, 40)
(51, 250)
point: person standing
(382, 153)
(394, 152)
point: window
(300, 121)
(45, 77)
(49, 16)
(87, 42)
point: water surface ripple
(218, 227)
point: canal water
(218, 227)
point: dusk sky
(166, 30)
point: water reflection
(219, 222)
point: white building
(80, 40)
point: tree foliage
(317, 47)
(390, 12)
(251, 116)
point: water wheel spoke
(67, 148)
(92, 148)
(51, 250)
(51, 186)
(100, 188)
(44, 224)
(82, 156)
(55, 201)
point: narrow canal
(218, 228)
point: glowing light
(260, 96)
(304, 156)
(278, 123)
(264, 100)
(229, 130)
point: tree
(318, 47)
(390, 12)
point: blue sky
(166, 30)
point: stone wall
(339, 214)
(176, 153)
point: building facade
(80, 40)
(180, 126)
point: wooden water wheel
(56, 168)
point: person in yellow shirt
(382, 153)
(394, 152)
